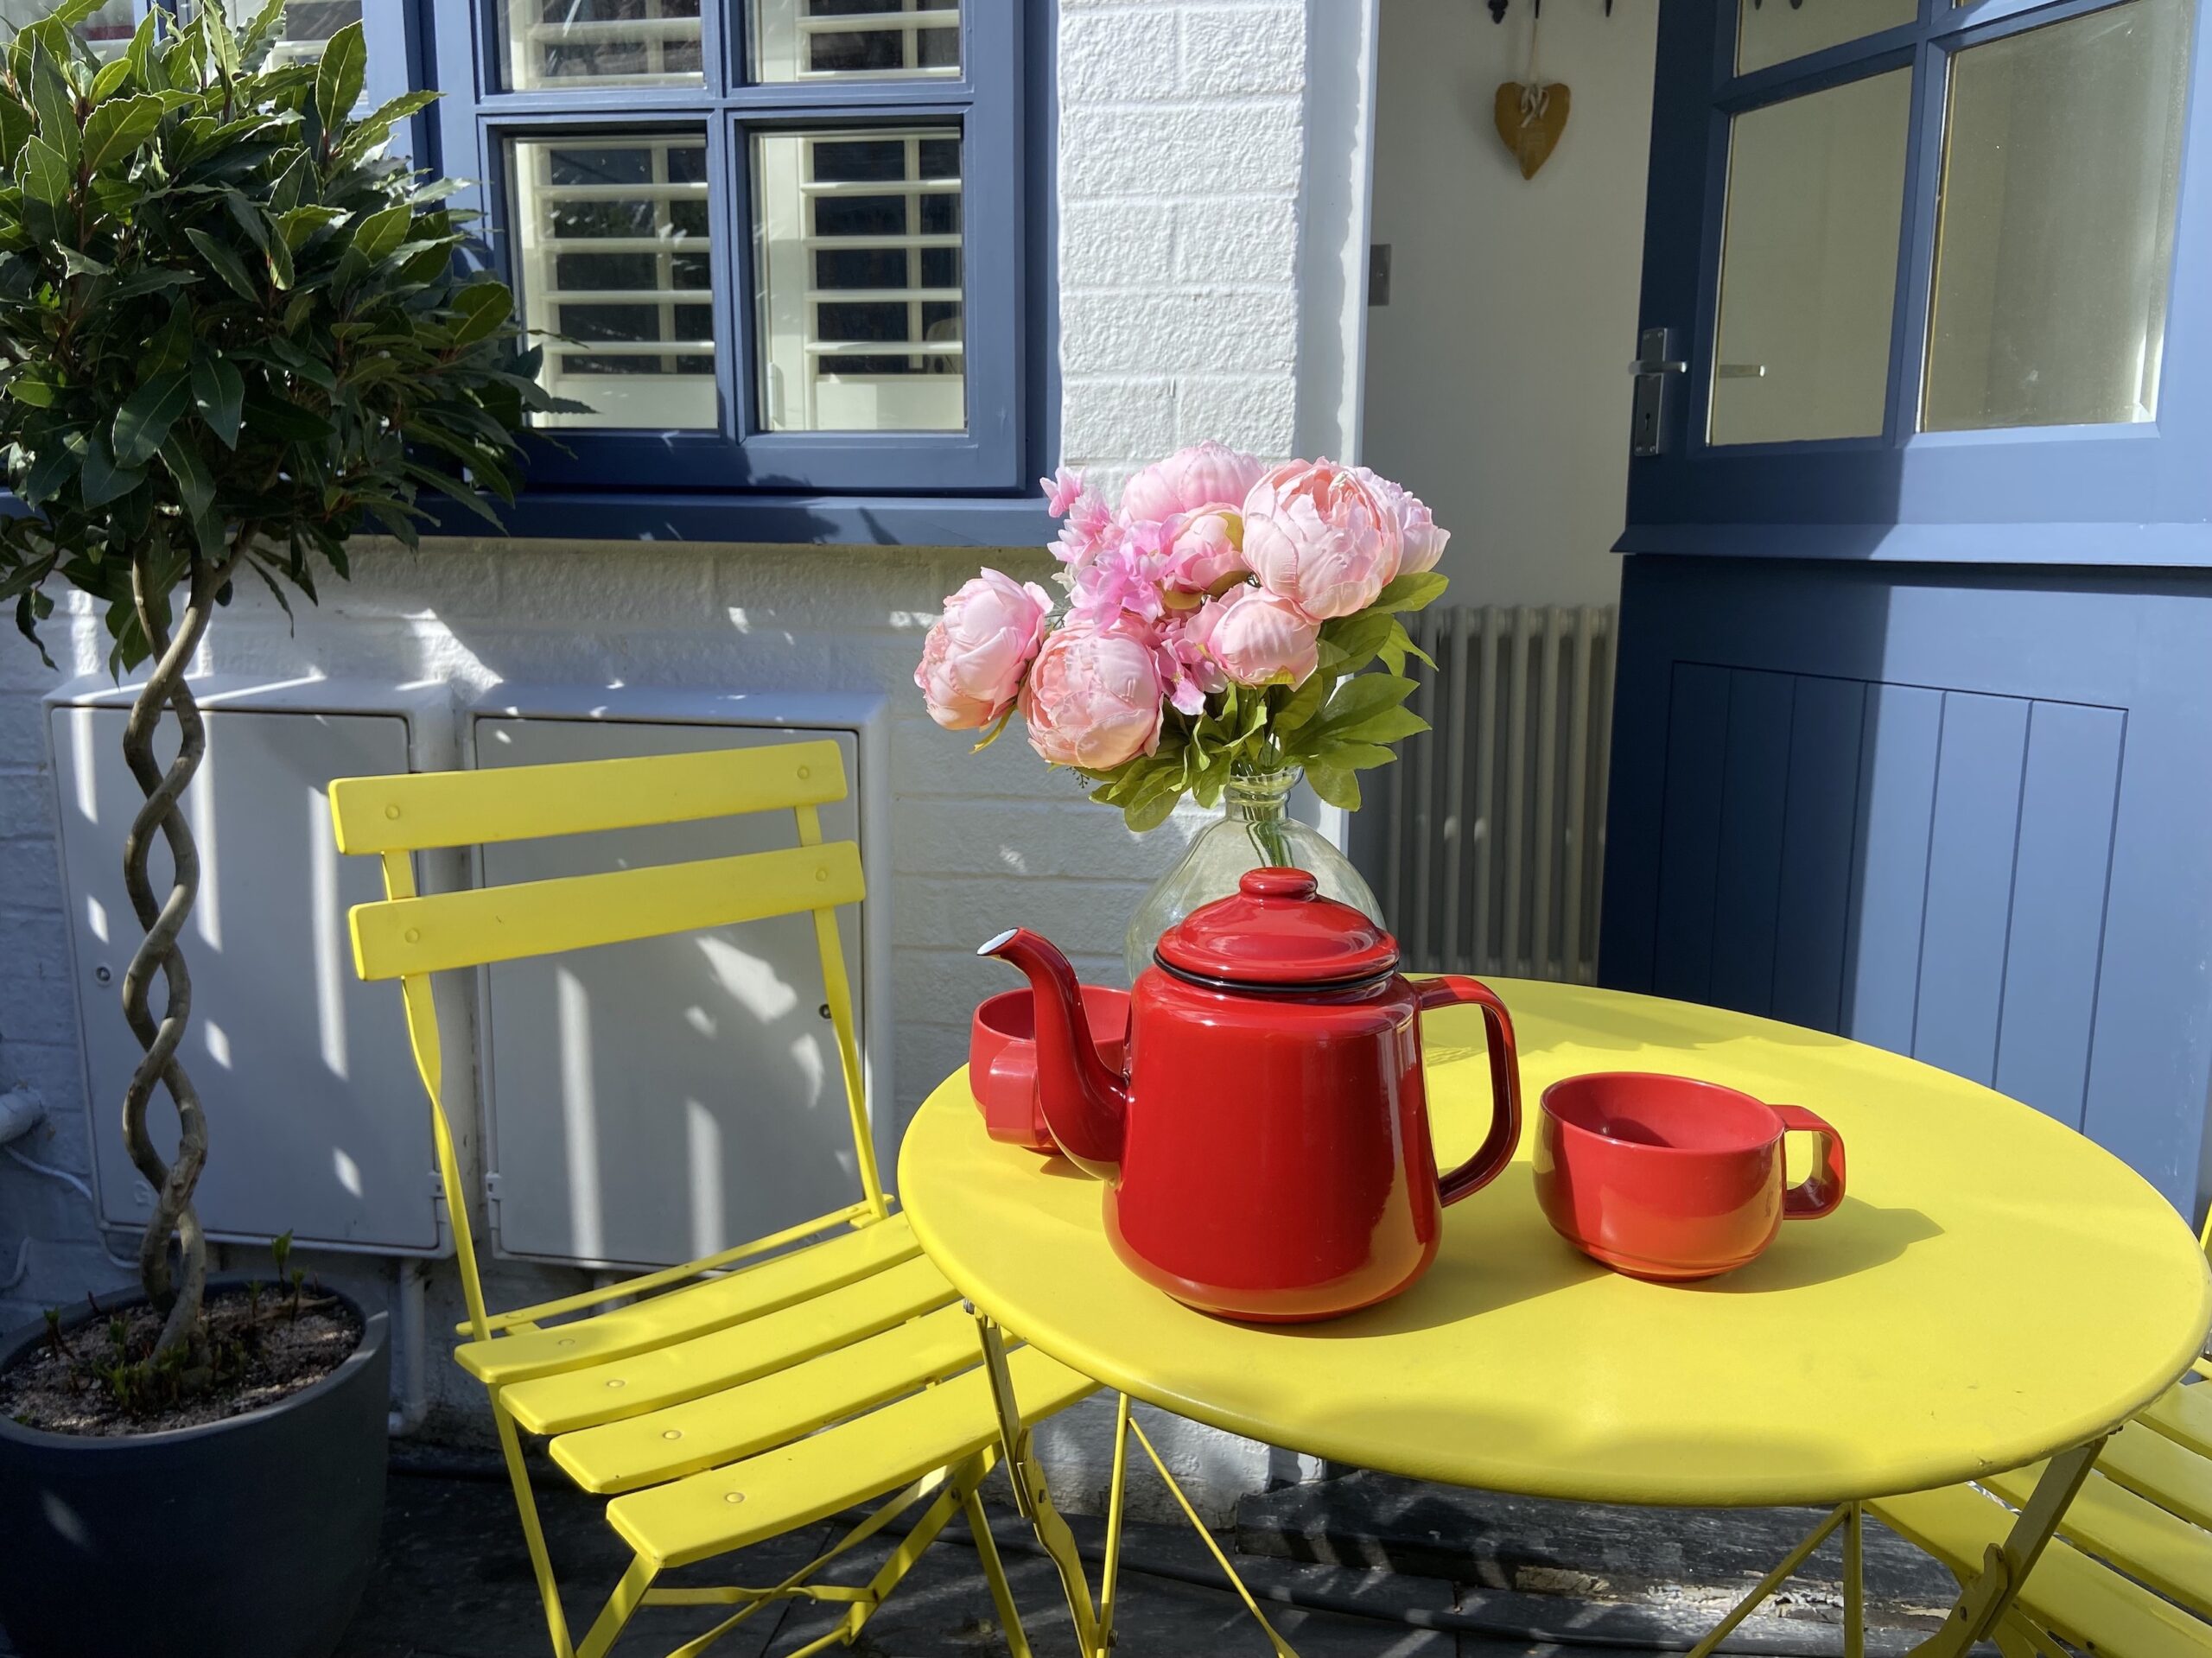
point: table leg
(1854, 1582)
(1094, 1624)
(1774, 1580)
(1031, 1497)
(1983, 1606)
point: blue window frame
(2005, 494)
(727, 367)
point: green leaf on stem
(146, 416)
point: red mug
(1669, 1177)
(1002, 1059)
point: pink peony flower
(1189, 480)
(974, 656)
(1093, 698)
(1120, 575)
(1192, 675)
(1259, 637)
(1423, 541)
(1062, 491)
(1316, 535)
(1206, 549)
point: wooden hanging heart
(1531, 120)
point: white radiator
(1497, 821)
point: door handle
(1651, 368)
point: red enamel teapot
(1267, 1150)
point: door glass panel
(2056, 240)
(854, 39)
(1809, 264)
(614, 262)
(563, 43)
(857, 252)
(1775, 31)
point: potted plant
(233, 333)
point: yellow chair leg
(628, 1596)
(556, 1622)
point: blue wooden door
(1913, 735)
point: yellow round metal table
(1995, 1288)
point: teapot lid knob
(1278, 883)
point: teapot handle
(1497, 1147)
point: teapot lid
(1277, 930)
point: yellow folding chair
(761, 1389)
(2129, 1574)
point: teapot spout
(1084, 1102)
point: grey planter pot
(247, 1538)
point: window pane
(2056, 240)
(108, 30)
(854, 39)
(1775, 31)
(858, 263)
(558, 43)
(613, 253)
(300, 32)
(1808, 265)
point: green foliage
(233, 333)
(1336, 725)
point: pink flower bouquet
(1221, 620)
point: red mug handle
(1497, 1149)
(1823, 1190)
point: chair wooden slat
(2086, 1604)
(729, 1358)
(771, 1410)
(401, 937)
(811, 1479)
(2152, 1465)
(715, 1305)
(520, 803)
(2138, 1538)
(2184, 1414)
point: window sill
(780, 520)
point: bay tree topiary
(233, 333)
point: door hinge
(1651, 368)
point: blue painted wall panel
(1813, 910)
(1970, 846)
(1689, 833)
(1748, 874)
(1991, 843)
(1897, 799)
(2058, 905)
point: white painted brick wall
(1181, 163)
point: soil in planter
(275, 1354)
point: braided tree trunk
(175, 1292)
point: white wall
(1183, 163)
(1498, 383)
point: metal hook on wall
(1758, 5)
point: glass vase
(1256, 831)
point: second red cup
(1669, 1177)
(1002, 1059)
